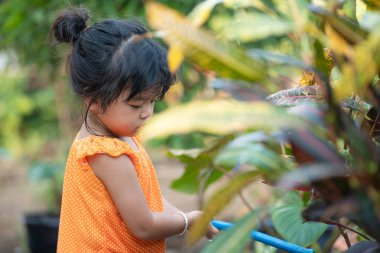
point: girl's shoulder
(91, 145)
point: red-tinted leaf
(296, 187)
(297, 96)
(308, 147)
(328, 179)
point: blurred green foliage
(27, 115)
(320, 149)
(24, 25)
(35, 101)
(38, 112)
(50, 175)
(267, 45)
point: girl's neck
(93, 126)
(84, 132)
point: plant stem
(332, 222)
(240, 193)
(344, 234)
(374, 125)
(333, 237)
(202, 188)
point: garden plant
(302, 115)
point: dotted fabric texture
(90, 221)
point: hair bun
(69, 24)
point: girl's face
(123, 117)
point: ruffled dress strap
(92, 145)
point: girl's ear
(93, 106)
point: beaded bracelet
(186, 223)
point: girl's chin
(133, 133)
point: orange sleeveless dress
(90, 221)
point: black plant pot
(42, 231)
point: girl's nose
(147, 112)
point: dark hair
(110, 56)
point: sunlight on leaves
(218, 117)
(265, 26)
(201, 46)
(199, 15)
(175, 58)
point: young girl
(111, 198)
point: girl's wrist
(186, 222)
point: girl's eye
(136, 106)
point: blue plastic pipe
(266, 239)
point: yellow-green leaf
(265, 26)
(202, 47)
(175, 57)
(202, 11)
(361, 71)
(235, 238)
(372, 4)
(219, 116)
(218, 200)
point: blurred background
(217, 131)
(39, 115)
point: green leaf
(277, 58)
(260, 5)
(234, 239)
(218, 200)
(356, 104)
(245, 150)
(264, 26)
(197, 167)
(286, 217)
(190, 180)
(360, 73)
(349, 9)
(201, 47)
(372, 4)
(349, 30)
(219, 117)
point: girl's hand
(211, 230)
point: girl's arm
(119, 176)
(168, 207)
